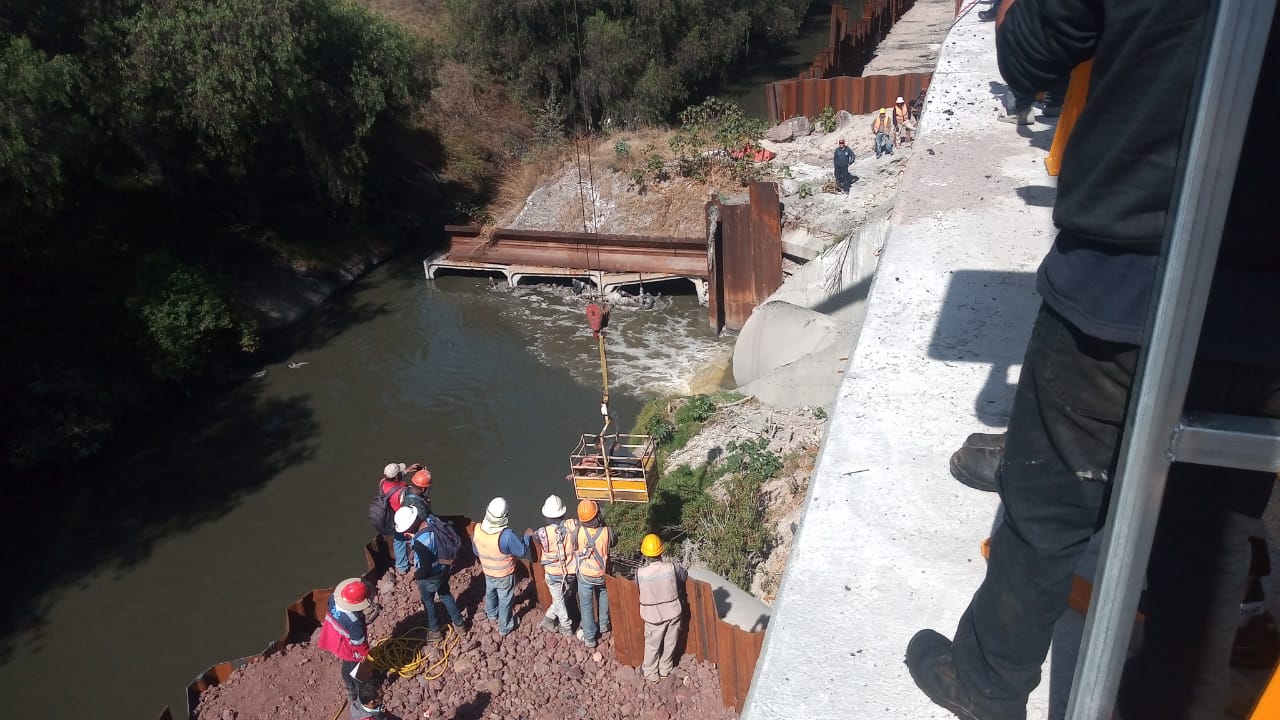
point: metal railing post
(1186, 271)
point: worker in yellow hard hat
(881, 126)
(659, 581)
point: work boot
(1022, 117)
(1051, 111)
(976, 462)
(460, 630)
(566, 630)
(989, 15)
(547, 624)
(933, 669)
(1257, 643)
(434, 635)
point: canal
(236, 503)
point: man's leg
(1054, 97)
(349, 683)
(604, 608)
(1199, 564)
(667, 659)
(491, 599)
(400, 547)
(1020, 114)
(1064, 431)
(505, 591)
(427, 591)
(587, 609)
(653, 634)
(450, 606)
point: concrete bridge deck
(889, 542)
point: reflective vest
(593, 551)
(900, 114)
(336, 635)
(880, 124)
(659, 592)
(558, 548)
(493, 561)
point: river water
(241, 501)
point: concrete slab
(889, 542)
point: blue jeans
(587, 589)
(883, 144)
(401, 548)
(428, 588)
(498, 593)
(1054, 483)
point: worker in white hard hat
(498, 547)
(558, 548)
(904, 126)
(435, 547)
(393, 489)
(659, 582)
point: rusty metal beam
(588, 252)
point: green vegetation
(725, 522)
(628, 61)
(826, 120)
(146, 148)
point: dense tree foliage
(624, 60)
(141, 139)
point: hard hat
(351, 595)
(884, 110)
(421, 479)
(497, 508)
(651, 546)
(405, 517)
(553, 508)
(393, 470)
(587, 510)
(899, 101)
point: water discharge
(235, 504)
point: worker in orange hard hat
(344, 633)
(594, 539)
(556, 540)
(659, 582)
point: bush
(698, 408)
(826, 120)
(621, 149)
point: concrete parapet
(889, 542)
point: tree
(35, 121)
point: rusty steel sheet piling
(744, 254)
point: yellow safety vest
(593, 551)
(493, 561)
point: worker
(344, 633)
(1057, 471)
(659, 582)
(842, 160)
(498, 547)
(393, 488)
(594, 540)
(881, 126)
(556, 541)
(420, 483)
(434, 566)
(904, 125)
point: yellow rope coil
(408, 655)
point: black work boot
(976, 462)
(934, 671)
(989, 15)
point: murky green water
(238, 503)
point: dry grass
(423, 18)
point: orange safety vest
(558, 548)
(900, 114)
(593, 551)
(493, 561)
(880, 124)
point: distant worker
(557, 543)
(842, 160)
(594, 541)
(391, 493)
(344, 633)
(904, 125)
(881, 126)
(659, 582)
(498, 547)
(435, 545)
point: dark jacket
(1117, 177)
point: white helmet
(393, 470)
(553, 508)
(497, 509)
(405, 518)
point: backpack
(381, 516)
(448, 544)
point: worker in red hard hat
(393, 487)
(594, 539)
(345, 634)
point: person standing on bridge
(842, 160)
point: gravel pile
(529, 675)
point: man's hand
(1004, 8)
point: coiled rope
(410, 654)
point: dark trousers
(1053, 96)
(844, 179)
(428, 589)
(1054, 483)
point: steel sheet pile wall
(585, 251)
(831, 79)
(857, 95)
(744, 255)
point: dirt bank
(529, 675)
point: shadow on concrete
(981, 311)
(855, 293)
(724, 603)
(1038, 195)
